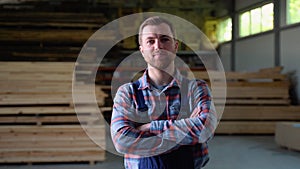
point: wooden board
(51, 24)
(261, 113)
(246, 127)
(59, 67)
(49, 110)
(55, 155)
(252, 92)
(57, 17)
(54, 36)
(254, 102)
(61, 132)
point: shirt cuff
(156, 127)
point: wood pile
(47, 36)
(255, 101)
(38, 121)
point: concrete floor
(250, 152)
(226, 152)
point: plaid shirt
(168, 130)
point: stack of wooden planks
(47, 36)
(255, 101)
(38, 120)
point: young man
(162, 120)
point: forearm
(129, 138)
(141, 143)
(196, 129)
(124, 123)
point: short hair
(155, 20)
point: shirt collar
(145, 81)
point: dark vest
(181, 158)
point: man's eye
(150, 42)
(165, 40)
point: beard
(160, 59)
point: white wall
(255, 53)
(225, 55)
(290, 54)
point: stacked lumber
(47, 36)
(255, 101)
(38, 119)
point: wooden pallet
(39, 122)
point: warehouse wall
(290, 54)
(225, 54)
(256, 52)
(240, 4)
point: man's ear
(176, 45)
(141, 50)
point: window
(256, 20)
(244, 24)
(293, 11)
(267, 17)
(224, 30)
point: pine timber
(38, 120)
(255, 101)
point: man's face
(158, 46)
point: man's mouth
(160, 54)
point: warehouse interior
(60, 63)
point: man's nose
(158, 44)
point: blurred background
(256, 40)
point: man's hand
(144, 127)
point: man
(162, 120)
